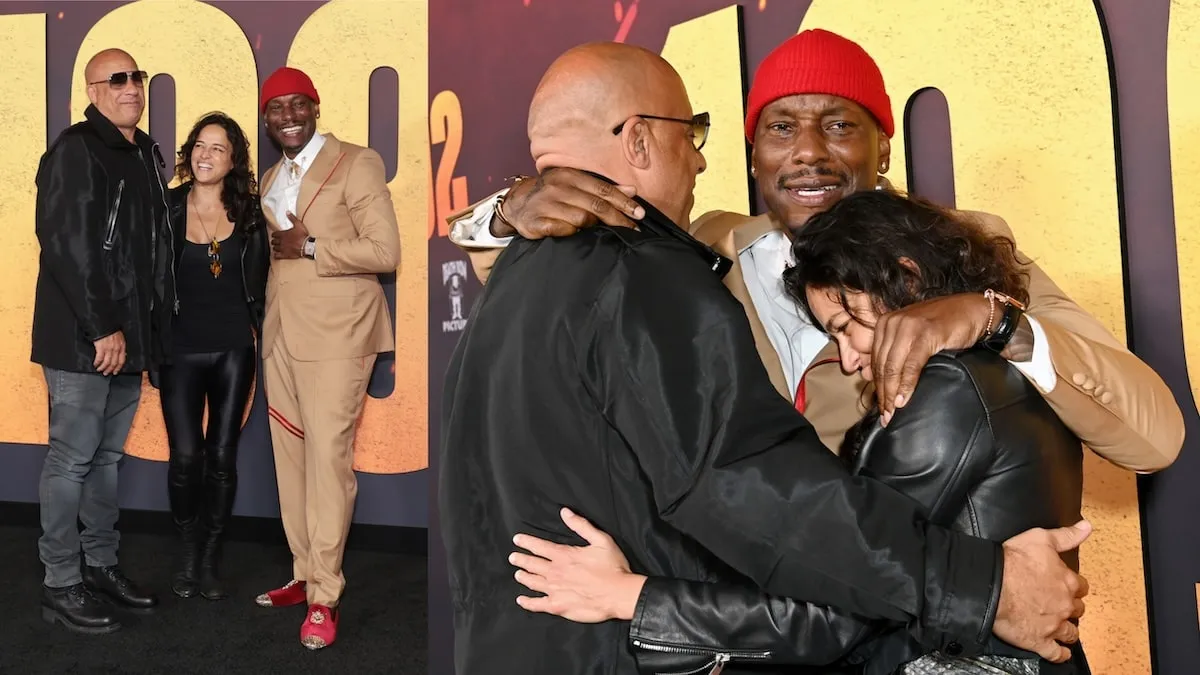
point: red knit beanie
(287, 81)
(819, 62)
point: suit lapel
(316, 175)
(736, 284)
(264, 188)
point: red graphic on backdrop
(625, 17)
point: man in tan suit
(820, 122)
(333, 230)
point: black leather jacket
(256, 255)
(977, 447)
(101, 222)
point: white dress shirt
(763, 261)
(281, 198)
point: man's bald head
(122, 104)
(107, 62)
(595, 87)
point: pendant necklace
(214, 246)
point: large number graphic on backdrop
(1183, 105)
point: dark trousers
(202, 469)
(90, 417)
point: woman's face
(212, 157)
(852, 326)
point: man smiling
(333, 230)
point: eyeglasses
(699, 124)
(118, 80)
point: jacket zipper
(162, 191)
(720, 658)
(110, 235)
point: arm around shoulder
(1117, 405)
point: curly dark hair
(240, 188)
(863, 242)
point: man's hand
(289, 244)
(906, 339)
(587, 584)
(560, 202)
(1040, 594)
(110, 354)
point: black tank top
(213, 316)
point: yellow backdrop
(1031, 115)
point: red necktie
(801, 389)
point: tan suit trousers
(314, 408)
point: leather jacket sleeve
(935, 448)
(71, 231)
(683, 626)
(258, 262)
(734, 466)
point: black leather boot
(220, 489)
(111, 581)
(185, 583)
(78, 609)
(185, 492)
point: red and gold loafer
(319, 629)
(291, 593)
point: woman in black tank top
(220, 266)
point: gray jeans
(90, 417)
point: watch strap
(1005, 329)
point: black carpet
(382, 629)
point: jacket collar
(177, 196)
(657, 222)
(747, 233)
(110, 134)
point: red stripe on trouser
(283, 421)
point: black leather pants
(202, 470)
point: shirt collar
(751, 232)
(308, 153)
(771, 239)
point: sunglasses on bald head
(118, 80)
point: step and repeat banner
(369, 62)
(1066, 117)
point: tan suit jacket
(333, 307)
(1135, 423)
